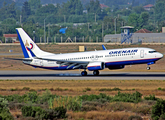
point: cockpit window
(152, 51)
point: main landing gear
(84, 73)
(95, 72)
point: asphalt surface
(75, 75)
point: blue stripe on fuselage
(141, 61)
(131, 62)
(22, 45)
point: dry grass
(99, 115)
(79, 87)
(115, 110)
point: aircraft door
(41, 62)
(92, 57)
(96, 57)
(142, 53)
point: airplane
(90, 60)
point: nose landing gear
(148, 68)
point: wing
(76, 64)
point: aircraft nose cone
(161, 55)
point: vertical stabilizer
(29, 48)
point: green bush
(109, 89)
(126, 97)
(6, 116)
(15, 97)
(46, 96)
(70, 103)
(101, 97)
(15, 106)
(74, 104)
(39, 113)
(26, 88)
(88, 89)
(60, 112)
(3, 105)
(158, 109)
(31, 96)
(26, 111)
(13, 89)
(4, 110)
(159, 88)
(151, 97)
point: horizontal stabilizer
(22, 59)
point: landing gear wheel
(95, 72)
(148, 68)
(84, 73)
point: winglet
(104, 48)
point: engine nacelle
(116, 67)
(96, 66)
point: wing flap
(76, 64)
(62, 61)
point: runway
(75, 75)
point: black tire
(84, 73)
(96, 72)
(148, 68)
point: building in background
(148, 7)
(143, 35)
(10, 38)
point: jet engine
(96, 66)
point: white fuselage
(112, 57)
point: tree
(138, 9)
(133, 20)
(94, 7)
(8, 11)
(11, 11)
(72, 7)
(5, 2)
(47, 9)
(159, 10)
(26, 11)
(158, 109)
(35, 4)
(143, 20)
